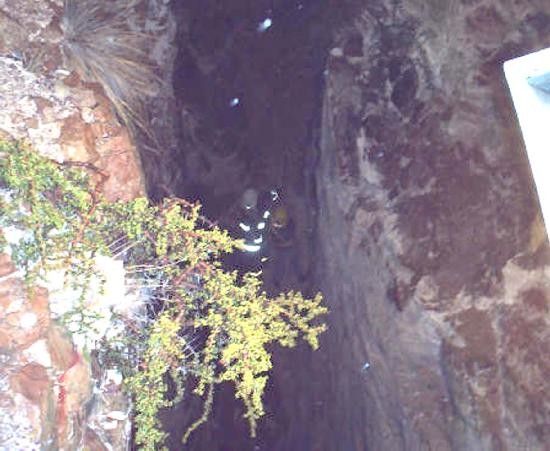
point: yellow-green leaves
(173, 253)
(43, 199)
(164, 350)
(242, 321)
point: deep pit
(388, 131)
(398, 157)
(248, 82)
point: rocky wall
(435, 257)
(53, 396)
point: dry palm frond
(100, 45)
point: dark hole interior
(248, 81)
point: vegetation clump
(101, 45)
(203, 325)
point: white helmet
(249, 199)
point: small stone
(114, 376)
(61, 90)
(87, 115)
(15, 306)
(62, 73)
(46, 132)
(117, 415)
(28, 320)
(38, 352)
(110, 425)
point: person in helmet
(254, 219)
(250, 227)
(283, 257)
(249, 199)
(282, 227)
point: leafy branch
(201, 325)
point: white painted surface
(533, 112)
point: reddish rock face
(32, 381)
(60, 116)
(44, 382)
(33, 352)
(6, 266)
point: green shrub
(213, 325)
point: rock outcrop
(51, 398)
(435, 258)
